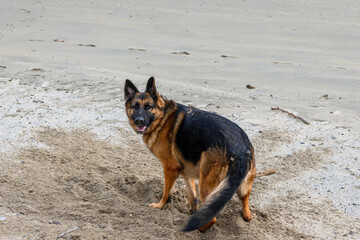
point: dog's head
(144, 109)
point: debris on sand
(86, 45)
(137, 49)
(61, 235)
(250, 86)
(58, 40)
(181, 53)
(291, 114)
(226, 56)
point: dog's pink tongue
(141, 128)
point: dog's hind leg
(170, 176)
(207, 183)
(244, 191)
(211, 174)
(191, 194)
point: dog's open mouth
(140, 129)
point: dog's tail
(216, 201)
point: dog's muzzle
(140, 124)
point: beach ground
(71, 167)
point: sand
(70, 162)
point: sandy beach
(71, 167)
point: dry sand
(69, 160)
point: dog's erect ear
(151, 88)
(129, 90)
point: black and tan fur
(196, 145)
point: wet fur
(196, 145)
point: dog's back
(201, 130)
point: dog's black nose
(139, 120)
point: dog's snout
(139, 120)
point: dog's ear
(151, 88)
(129, 90)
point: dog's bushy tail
(216, 201)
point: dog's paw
(246, 215)
(194, 207)
(159, 205)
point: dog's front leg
(170, 176)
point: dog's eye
(148, 107)
(136, 106)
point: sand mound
(103, 190)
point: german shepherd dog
(196, 145)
